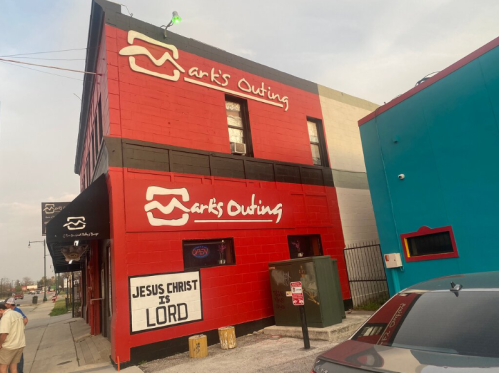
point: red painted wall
(144, 107)
(230, 294)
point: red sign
(166, 206)
(297, 294)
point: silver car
(449, 324)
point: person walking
(12, 339)
(11, 303)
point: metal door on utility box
(280, 277)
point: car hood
(359, 356)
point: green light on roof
(176, 18)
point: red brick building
(198, 168)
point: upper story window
(95, 144)
(99, 124)
(317, 142)
(238, 123)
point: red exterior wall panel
(232, 294)
(179, 113)
(188, 115)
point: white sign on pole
(163, 300)
(297, 294)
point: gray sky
(373, 49)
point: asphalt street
(28, 298)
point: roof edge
(442, 74)
(99, 7)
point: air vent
(238, 148)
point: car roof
(480, 280)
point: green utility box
(321, 291)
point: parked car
(445, 324)
(18, 296)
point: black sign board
(86, 218)
(49, 210)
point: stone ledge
(333, 333)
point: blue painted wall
(448, 149)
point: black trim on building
(166, 158)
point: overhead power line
(52, 59)
(49, 67)
(26, 54)
(40, 71)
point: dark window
(301, 246)
(317, 142)
(99, 124)
(208, 253)
(436, 243)
(437, 321)
(87, 171)
(96, 141)
(91, 151)
(238, 123)
(428, 244)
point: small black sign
(85, 218)
(49, 210)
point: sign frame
(47, 217)
(297, 293)
(166, 326)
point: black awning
(83, 220)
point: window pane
(312, 132)
(232, 106)
(234, 121)
(234, 116)
(236, 135)
(316, 154)
(436, 243)
(208, 253)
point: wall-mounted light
(175, 19)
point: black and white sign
(49, 210)
(160, 301)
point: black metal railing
(366, 273)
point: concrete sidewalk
(63, 344)
(275, 349)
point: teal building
(432, 160)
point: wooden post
(198, 346)
(227, 337)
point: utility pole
(44, 267)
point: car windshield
(463, 323)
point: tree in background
(5, 287)
(17, 286)
(27, 281)
(49, 283)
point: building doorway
(105, 289)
